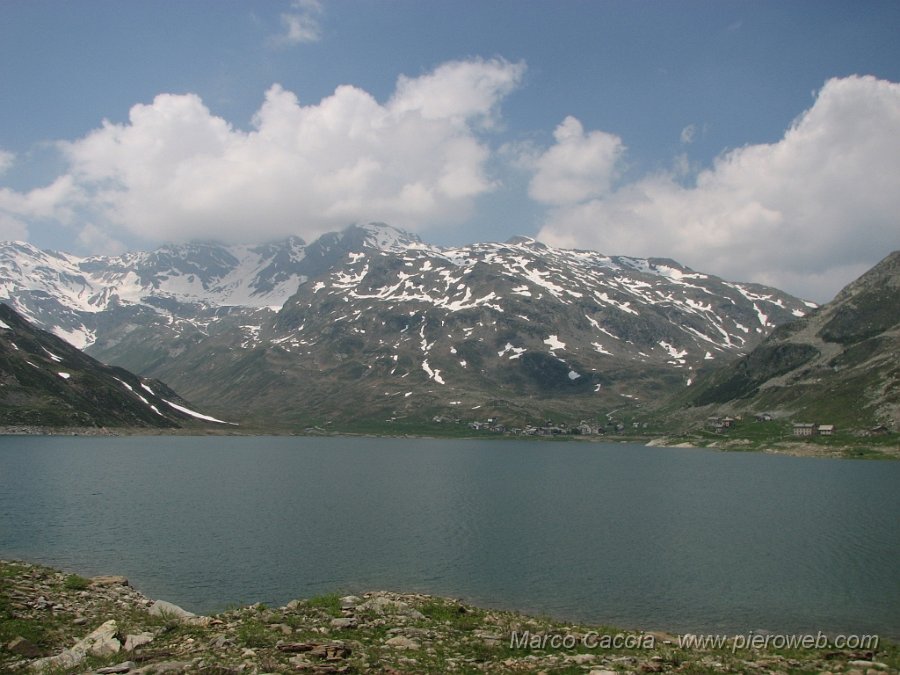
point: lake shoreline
(789, 447)
(50, 619)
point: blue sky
(755, 140)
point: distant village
(715, 423)
(549, 428)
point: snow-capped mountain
(373, 321)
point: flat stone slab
(109, 580)
(170, 609)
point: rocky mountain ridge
(46, 382)
(839, 364)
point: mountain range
(373, 325)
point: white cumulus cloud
(176, 171)
(806, 213)
(459, 91)
(579, 166)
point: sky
(759, 141)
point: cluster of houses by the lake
(721, 425)
(549, 428)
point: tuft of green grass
(330, 603)
(456, 616)
(73, 582)
(11, 628)
(255, 634)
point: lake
(651, 538)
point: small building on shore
(720, 425)
(804, 429)
(826, 430)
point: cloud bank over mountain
(804, 213)
(176, 171)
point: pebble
(402, 642)
(132, 642)
(345, 622)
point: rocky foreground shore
(53, 622)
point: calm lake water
(651, 538)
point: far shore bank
(857, 448)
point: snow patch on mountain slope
(432, 374)
(141, 398)
(555, 343)
(676, 356)
(605, 299)
(516, 351)
(52, 356)
(77, 337)
(194, 413)
(676, 274)
(763, 318)
(599, 348)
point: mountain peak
(522, 240)
(885, 272)
(386, 237)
